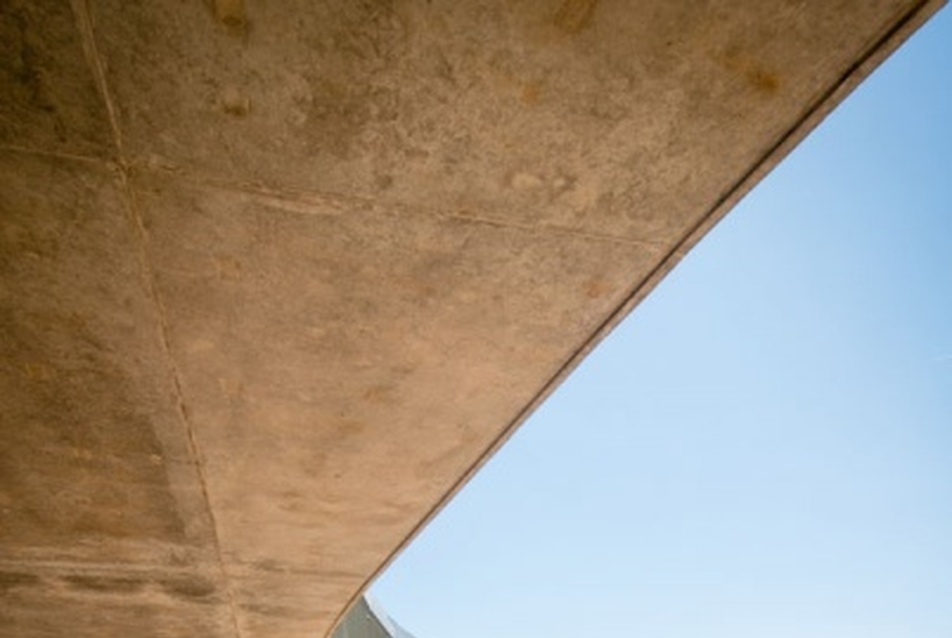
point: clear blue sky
(764, 447)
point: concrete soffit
(277, 278)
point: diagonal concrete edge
(879, 50)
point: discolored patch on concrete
(191, 588)
(107, 606)
(82, 467)
(14, 579)
(90, 439)
(48, 95)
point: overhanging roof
(276, 277)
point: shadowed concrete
(275, 278)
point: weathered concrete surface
(276, 277)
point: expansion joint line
(85, 25)
(135, 218)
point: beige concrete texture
(277, 277)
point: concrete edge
(879, 50)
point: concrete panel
(339, 363)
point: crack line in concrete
(300, 202)
(165, 329)
(86, 159)
(653, 246)
(84, 24)
(865, 62)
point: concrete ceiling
(276, 277)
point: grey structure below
(367, 620)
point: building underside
(277, 277)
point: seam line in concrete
(71, 157)
(84, 21)
(556, 230)
(295, 202)
(775, 153)
(181, 407)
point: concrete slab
(275, 279)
